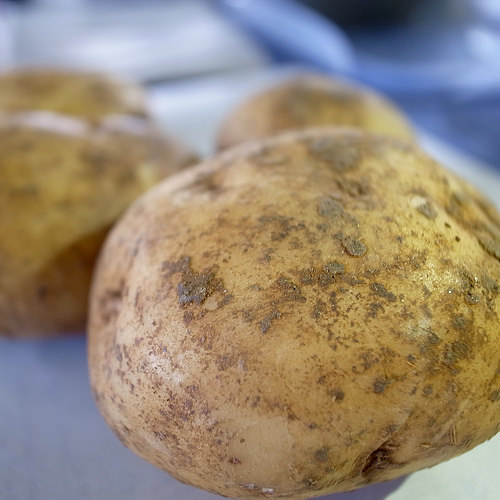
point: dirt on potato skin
(293, 327)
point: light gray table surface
(53, 443)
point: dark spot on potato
(455, 352)
(308, 276)
(460, 323)
(411, 358)
(291, 291)
(341, 153)
(320, 308)
(333, 301)
(247, 315)
(188, 317)
(426, 311)
(380, 385)
(224, 362)
(234, 460)
(380, 290)
(194, 288)
(267, 255)
(427, 210)
(431, 339)
(255, 402)
(282, 224)
(266, 323)
(353, 280)
(495, 396)
(323, 276)
(334, 268)
(337, 395)
(170, 268)
(374, 309)
(331, 209)
(111, 303)
(322, 454)
(460, 349)
(353, 247)
(427, 391)
(368, 359)
(328, 207)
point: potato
(87, 95)
(64, 180)
(312, 100)
(301, 316)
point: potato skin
(91, 96)
(64, 180)
(312, 100)
(300, 316)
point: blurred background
(438, 59)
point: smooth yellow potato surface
(301, 316)
(312, 100)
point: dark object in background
(365, 12)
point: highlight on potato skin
(312, 100)
(300, 316)
(77, 149)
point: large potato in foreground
(64, 180)
(308, 101)
(302, 316)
